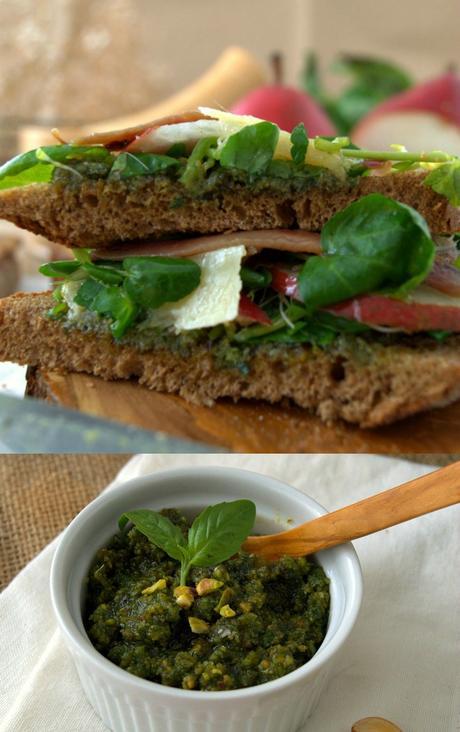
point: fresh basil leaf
(127, 165)
(218, 532)
(158, 529)
(376, 243)
(199, 162)
(60, 268)
(299, 144)
(446, 181)
(153, 281)
(251, 149)
(37, 166)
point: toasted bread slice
(364, 381)
(98, 213)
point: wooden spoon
(407, 501)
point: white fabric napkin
(401, 661)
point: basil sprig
(375, 244)
(214, 536)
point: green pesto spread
(237, 624)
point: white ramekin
(127, 703)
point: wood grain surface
(245, 426)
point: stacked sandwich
(218, 256)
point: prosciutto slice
(286, 240)
(119, 139)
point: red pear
(285, 106)
(426, 117)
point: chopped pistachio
(158, 585)
(221, 573)
(184, 595)
(227, 612)
(208, 585)
(197, 625)
(245, 607)
(226, 595)
(189, 681)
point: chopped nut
(227, 612)
(224, 598)
(185, 595)
(189, 681)
(245, 607)
(197, 625)
(158, 585)
(375, 724)
(208, 585)
(221, 573)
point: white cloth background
(401, 662)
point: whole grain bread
(366, 383)
(99, 213)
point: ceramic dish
(127, 703)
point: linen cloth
(401, 661)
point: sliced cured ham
(119, 139)
(287, 240)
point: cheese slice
(216, 299)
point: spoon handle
(407, 501)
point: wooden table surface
(246, 426)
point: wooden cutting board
(245, 426)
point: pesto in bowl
(236, 624)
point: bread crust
(368, 384)
(99, 213)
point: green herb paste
(252, 622)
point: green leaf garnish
(127, 165)
(251, 149)
(376, 243)
(37, 166)
(446, 181)
(200, 161)
(299, 144)
(214, 536)
(153, 281)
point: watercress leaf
(87, 293)
(178, 150)
(37, 166)
(127, 165)
(374, 244)
(251, 149)
(109, 301)
(103, 273)
(446, 181)
(218, 532)
(159, 530)
(60, 268)
(200, 161)
(255, 279)
(153, 281)
(299, 144)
